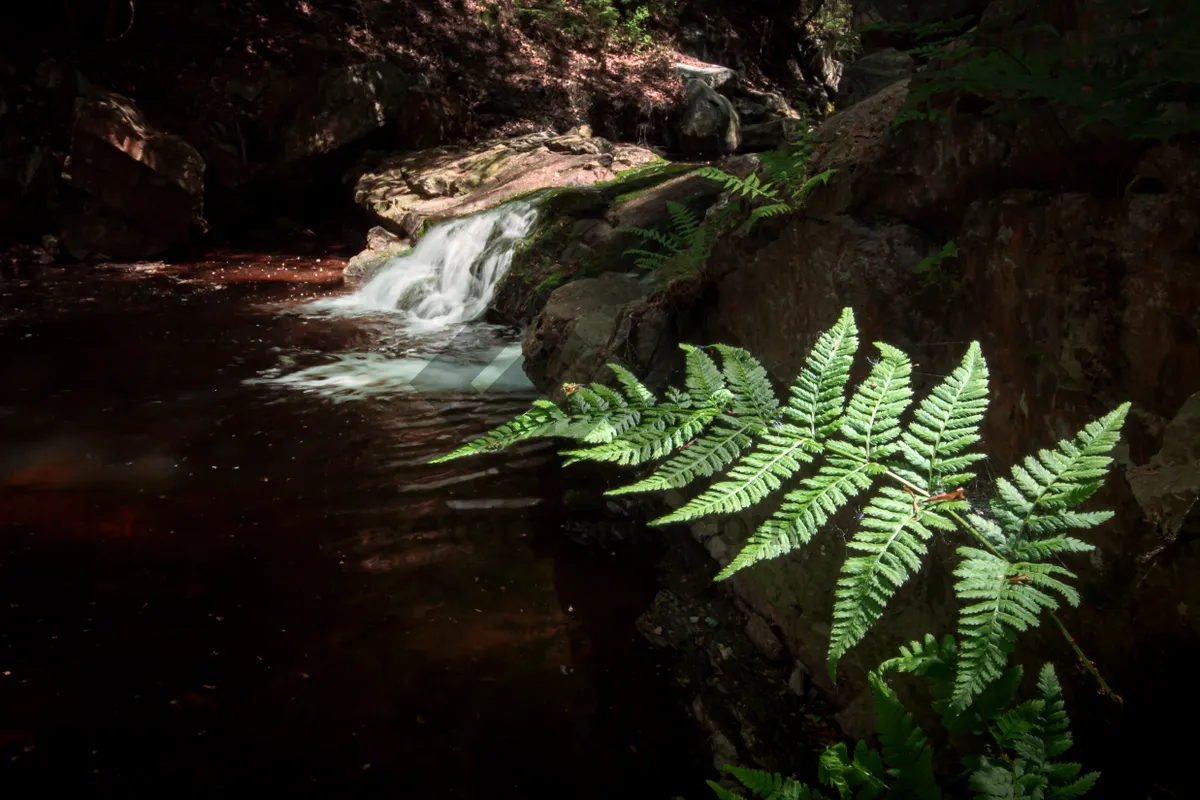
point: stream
(225, 563)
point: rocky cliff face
(1078, 270)
(1080, 279)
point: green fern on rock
(1032, 737)
(1014, 748)
(764, 785)
(783, 186)
(682, 251)
(911, 464)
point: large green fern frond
(946, 423)
(1005, 599)
(893, 540)
(1038, 500)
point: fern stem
(979, 537)
(924, 495)
(1087, 663)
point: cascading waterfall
(415, 308)
(452, 273)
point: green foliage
(599, 22)
(765, 785)
(1138, 71)
(684, 249)
(830, 23)
(726, 419)
(1014, 748)
(728, 415)
(784, 185)
(550, 281)
(930, 267)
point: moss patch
(633, 182)
(536, 268)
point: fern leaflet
(816, 404)
(1038, 499)
(543, 419)
(946, 423)
(1006, 598)
(906, 749)
(894, 541)
(1037, 732)
(705, 456)
(872, 421)
(753, 395)
(803, 512)
(818, 394)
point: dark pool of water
(211, 585)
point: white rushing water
(418, 311)
(452, 273)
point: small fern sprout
(682, 252)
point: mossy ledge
(537, 268)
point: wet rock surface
(382, 246)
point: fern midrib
(797, 445)
(1083, 453)
(820, 382)
(942, 428)
(878, 557)
(884, 388)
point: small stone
(724, 751)
(798, 681)
(717, 548)
(760, 633)
(703, 531)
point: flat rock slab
(406, 190)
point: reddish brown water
(210, 586)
